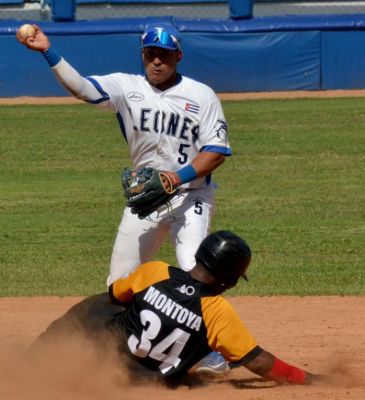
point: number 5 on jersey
(182, 152)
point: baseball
(25, 31)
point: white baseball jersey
(165, 130)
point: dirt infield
(322, 334)
(222, 96)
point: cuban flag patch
(193, 108)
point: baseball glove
(147, 189)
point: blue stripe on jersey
(98, 87)
(122, 126)
(208, 179)
(217, 149)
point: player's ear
(179, 56)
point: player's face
(160, 66)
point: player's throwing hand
(35, 39)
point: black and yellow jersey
(172, 321)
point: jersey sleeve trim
(98, 87)
(122, 126)
(247, 357)
(113, 299)
(217, 149)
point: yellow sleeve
(226, 332)
(145, 275)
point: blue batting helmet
(165, 37)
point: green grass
(294, 189)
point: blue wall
(253, 62)
(343, 60)
(258, 54)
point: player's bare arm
(206, 162)
(269, 366)
(203, 164)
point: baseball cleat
(213, 364)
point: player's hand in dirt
(39, 42)
(315, 379)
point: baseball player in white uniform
(170, 122)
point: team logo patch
(220, 128)
(135, 96)
(193, 108)
(189, 290)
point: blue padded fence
(10, 2)
(258, 54)
(135, 1)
